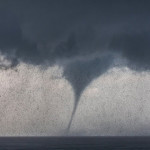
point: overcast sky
(74, 67)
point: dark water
(75, 143)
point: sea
(74, 143)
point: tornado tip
(72, 115)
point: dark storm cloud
(12, 42)
(135, 47)
(37, 31)
(54, 31)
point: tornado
(81, 73)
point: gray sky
(51, 54)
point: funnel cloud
(81, 73)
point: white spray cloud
(34, 102)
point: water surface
(74, 143)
